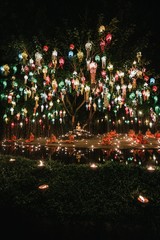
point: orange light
(43, 186)
(143, 199)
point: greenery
(79, 194)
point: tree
(79, 78)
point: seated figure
(31, 138)
(132, 133)
(70, 138)
(140, 138)
(52, 139)
(149, 134)
(13, 138)
(78, 127)
(106, 140)
(157, 134)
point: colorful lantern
(93, 69)
(108, 38)
(80, 55)
(88, 47)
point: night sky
(33, 17)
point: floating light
(43, 186)
(93, 165)
(151, 168)
(142, 199)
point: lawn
(77, 201)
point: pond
(84, 155)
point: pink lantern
(103, 73)
(45, 48)
(146, 78)
(71, 47)
(61, 62)
(102, 45)
(88, 47)
(93, 69)
(155, 88)
(108, 38)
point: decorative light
(151, 168)
(142, 199)
(80, 55)
(110, 67)
(43, 186)
(41, 163)
(93, 165)
(101, 29)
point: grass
(80, 201)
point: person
(31, 138)
(106, 140)
(132, 133)
(70, 138)
(52, 139)
(149, 134)
(157, 134)
(13, 138)
(140, 138)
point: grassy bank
(80, 199)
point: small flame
(143, 199)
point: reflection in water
(70, 155)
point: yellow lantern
(80, 55)
(101, 29)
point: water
(69, 155)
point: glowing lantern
(97, 58)
(152, 81)
(88, 47)
(6, 69)
(25, 79)
(38, 58)
(146, 78)
(54, 58)
(80, 55)
(101, 29)
(154, 88)
(24, 56)
(139, 55)
(71, 46)
(87, 90)
(70, 54)
(44, 72)
(45, 48)
(108, 38)
(61, 62)
(103, 73)
(102, 45)
(110, 67)
(93, 69)
(103, 62)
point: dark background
(41, 18)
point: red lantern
(146, 78)
(154, 88)
(102, 45)
(103, 73)
(61, 62)
(71, 47)
(108, 38)
(45, 48)
(12, 125)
